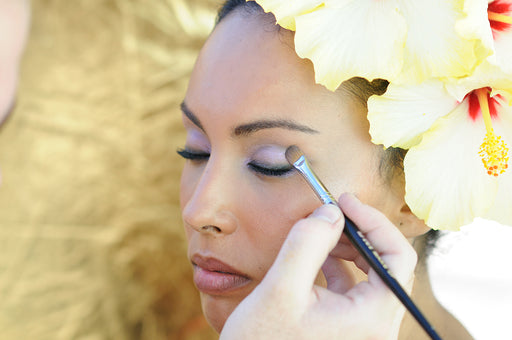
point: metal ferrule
(302, 165)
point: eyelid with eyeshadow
(262, 169)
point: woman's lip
(214, 265)
(214, 277)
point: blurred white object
(471, 272)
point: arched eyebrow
(190, 115)
(249, 128)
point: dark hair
(392, 159)
(231, 5)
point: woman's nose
(212, 204)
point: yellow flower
(454, 174)
(400, 116)
(398, 40)
(458, 130)
(456, 168)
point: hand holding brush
(288, 304)
(296, 158)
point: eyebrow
(249, 128)
(193, 118)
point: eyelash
(202, 156)
(272, 172)
(192, 155)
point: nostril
(211, 228)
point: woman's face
(249, 98)
(14, 21)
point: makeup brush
(297, 159)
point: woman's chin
(217, 309)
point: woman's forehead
(247, 49)
(246, 63)
(249, 71)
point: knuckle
(305, 225)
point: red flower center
(500, 15)
(475, 110)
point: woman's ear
(401, 215)
(410, 225)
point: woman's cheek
(189, 179)
(274, 214)
(190, 176)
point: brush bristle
(292, 154)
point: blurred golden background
(91, 240)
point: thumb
(305, 249)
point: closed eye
(270, 171)
(193, 155)
(264, 170)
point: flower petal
(503, 47)
(475, 25)
(286, 11)
(497, 43)
(501, 210)
(434, 48)
(446, 184)
(485, 75)
(403, 113)
(345, 39)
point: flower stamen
(493, 16)
(493, 151)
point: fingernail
(328, 212)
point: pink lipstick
(213, 277)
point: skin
(14, 24)
(248, 72)
(289, 305)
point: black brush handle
(362, 245)
(366, 250)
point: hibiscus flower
(459, 169)
(398, 40)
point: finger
(338, 275)
(346, 251)
(305, 249)
(383, 235)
